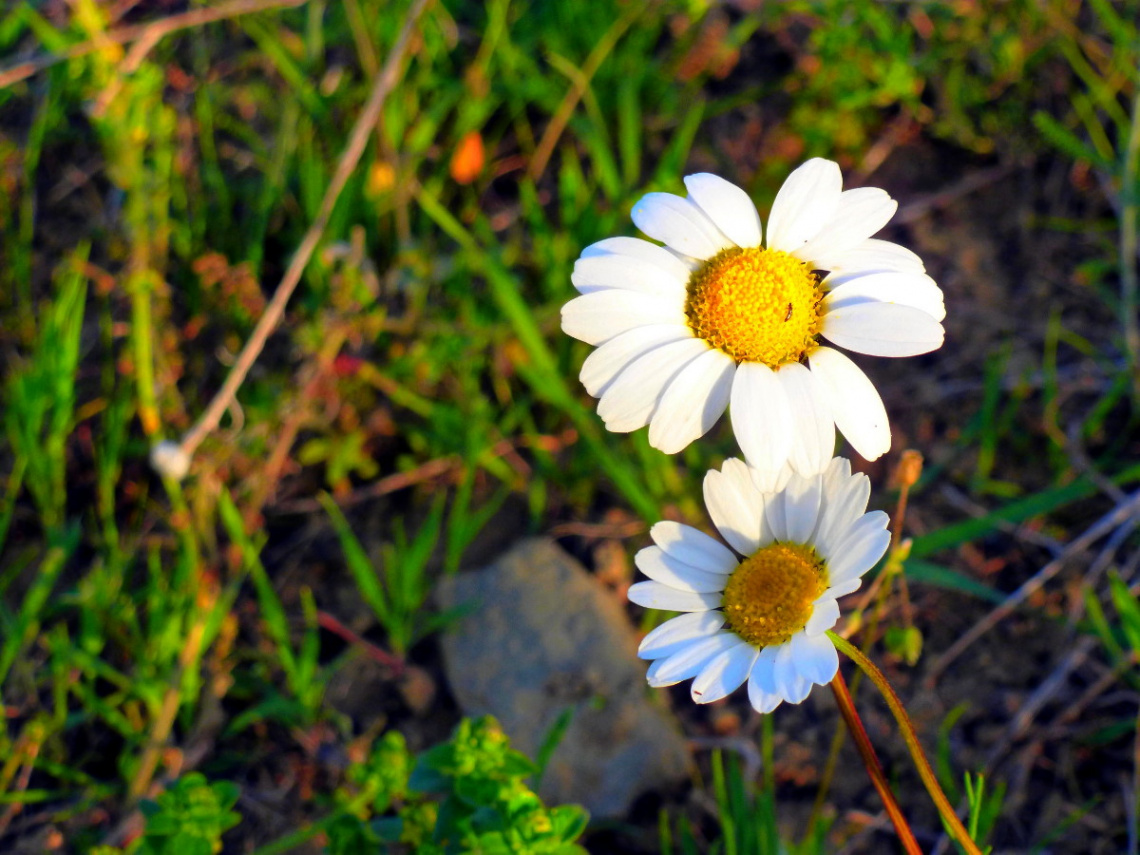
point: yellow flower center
(769, 596)
(757, 305)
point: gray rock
(544, 637)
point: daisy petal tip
(728, 206)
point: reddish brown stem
(871, 761)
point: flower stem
(871, 761)
(906, 474)
(949, 815)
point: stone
(543, 637)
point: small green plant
(304, 678)
(1102, 129)
(1121, 639)
(486, 806)
(940, 66)
(190, 817)
(985, 808)
(40, 400)
(746, 814)
(465, 795)
(396, 594)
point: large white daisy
(715, 317)
(758, 612)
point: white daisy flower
(716, 318)
(762, 618)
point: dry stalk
(148, 33)
(358, 139)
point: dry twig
(148, 33)
(385, 82)
(432, 469)
(580, 82)
(1119, 515)
(971, 183)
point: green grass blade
(31, 610)
(359, 564)
(927, 573)
(272, 611)
(1036, 505)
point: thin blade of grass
(1036, 505)
(31, 610)
(359, 564)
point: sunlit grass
(151, 199)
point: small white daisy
(714, 317)
(763, 617)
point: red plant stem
(910, 736)
(871, 761)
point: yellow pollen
(769, 596)
(757, 305)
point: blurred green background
(417, 411)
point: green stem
(1129, 188)
(906, 728)
(142, 338)
(871, 761)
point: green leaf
(905, 643)
(359, 564)
(569, 821)
(1127, 608)
(950, 579)
(1065, 140)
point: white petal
(771, 480)
(603, 365)
(652, 678)
(658, 565)
(813, 439)
(761, 417)
(907, 289)
(836, 474)
(631, 399)
(762, 691)
(736, 507)
(687, 261)
(793, 512)
(648, 252)
(654, 595)
(882, 329)
(597, 317)
(806, 202)
(816, 658)
(871, 254)
(855, 404)
(842, 589)
(858, 553)
(843, 503)
(677, 633)
(789, 681)
(859, 214)
(679, 224)
(688, 662)
(604, 272)
(841, 277)
(823, 616)
(776, 514)
(727, 206)
(724, 673)
(693, 547)
(693, 401)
